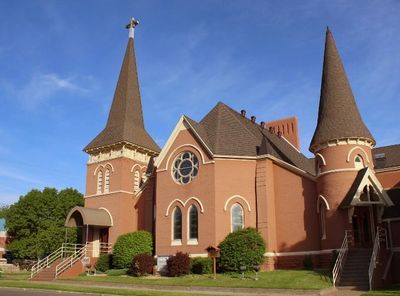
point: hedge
(129, 245)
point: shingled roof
(338, 115)
(387, 156)
(228, 133)
(125, 121)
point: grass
(390, 291)
(279, 279)
(95, 290)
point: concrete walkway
(214, 290)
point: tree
(244, 247)
(3, 209)
(36, 222)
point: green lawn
(279, 279)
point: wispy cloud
(43, 87)
(15, 175)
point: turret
(341, 144)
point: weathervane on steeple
(131, 26)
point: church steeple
(125, 122)
(338, 116)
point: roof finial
(131, 26)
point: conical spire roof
(125, 121)
(338, 115)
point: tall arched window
(237, 217)
(107, 181)
(193, 223)
(136, 181)
(177, 224)
(358, 162)
(100, 182)
(322, 209)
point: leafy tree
(244, 247)
(36, 222)
(3, 209)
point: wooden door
(362, 227)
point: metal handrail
(68, 262)
(380, 233)
(337, 269)
(65, 249)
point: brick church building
(227, 171)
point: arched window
(322, 217)
(177, 224)
(136, 181)
(358, 162)
(100, 182)
(237, 217)
(107, 181)
(193, 223)
(144, 177)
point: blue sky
(59, 62)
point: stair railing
(45, 262)
(337, 269)
(380, 234)
(68, 262)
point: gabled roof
(387, 156)
(364, 177)
(338, 115)
(125, 121)
(225, 132)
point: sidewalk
(214, 290)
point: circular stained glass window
(185, 168)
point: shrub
(308, 263)
(201, 265)
(244, 247)
(142, 264)
(179, 264)
(129, 245)
(104, 262)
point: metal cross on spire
(131, 26)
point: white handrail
(375, 252)
(68, 262)
(66, 249)
(337, 269)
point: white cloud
(43, 87)
(11, 174)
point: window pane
(177, 224)
(193, 223)
(237, 217)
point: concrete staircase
(355, 270)
(48, 273)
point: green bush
(129, 245)
(244, 247)
(104, 262)
(179, 264)
(201, 265)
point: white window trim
(99, 188)
(192, 241)
(175, 242)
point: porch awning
(80, 216)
